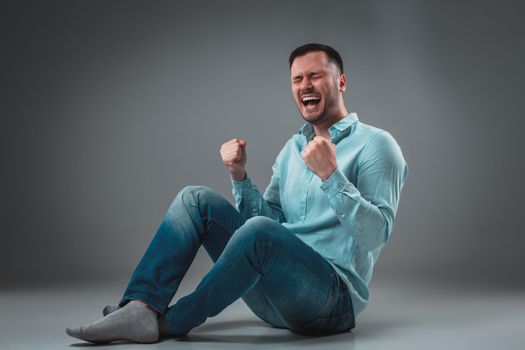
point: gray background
(109, 108)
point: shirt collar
(337, 130)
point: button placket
(305, 193)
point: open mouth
(311, 100)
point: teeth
(310, 98)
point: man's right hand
(233, 153)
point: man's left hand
(319, 156)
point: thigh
(302, 291)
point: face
(317, 87)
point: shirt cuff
(335, 183)
(239, 187)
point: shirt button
(343, 215)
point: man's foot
(163, 329)
(134, 322)
(109, 309)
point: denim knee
(194, 194)
(257, 230)
(198, 197)
(190, 202)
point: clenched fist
(319, 156)
(233, 154)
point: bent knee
(259, 228)
(260, 221)
(194, 194)
(197, 190)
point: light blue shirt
(349, 217)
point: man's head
(318, 83)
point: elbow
(381, 239)
(380, 235)
(386, 230)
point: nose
(306, 84)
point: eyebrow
(311, 73)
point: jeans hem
(143, 298)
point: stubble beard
(330, 107)
(326, 113)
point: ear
(342, 83)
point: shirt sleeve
(250, 202)
(367, 209)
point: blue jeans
(282, 280)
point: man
(301, 254)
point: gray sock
(133, 322)
(163, 329)
(109, 309)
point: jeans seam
(227, 268)
(212, 219)
(330, 290)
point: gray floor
(401, 315)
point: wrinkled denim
(281, 279)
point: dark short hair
(333, 56)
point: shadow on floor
(262, 333)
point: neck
(322, 129)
